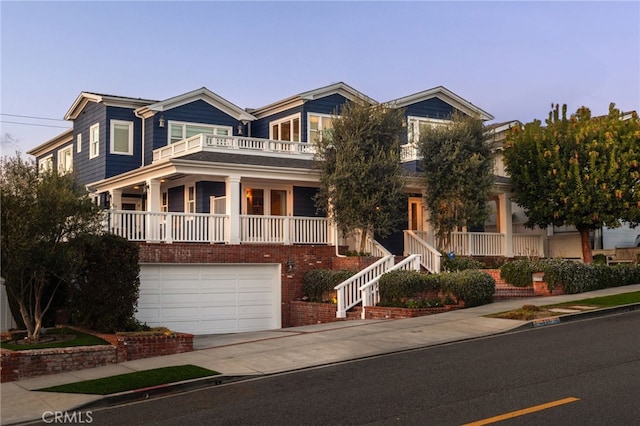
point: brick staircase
(506, 291)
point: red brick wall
(151, 346)
(307, 313)
(21, 364)
(304, 257)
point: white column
(116, 199)
(234, 198)
(153, 195)
(506, 223)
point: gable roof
(299, 99)
(203, 94)
(445, 95)
(111, 100)
(63, 138)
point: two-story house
(221, 198)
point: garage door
(210, 299)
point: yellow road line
(523, 412)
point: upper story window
(45, 163)
(414, 124)
(121, 137)
(179, 130)
(65, 159)
(79, 143)
(286, 129)
(318, 124)
(94, 140)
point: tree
(361, 175)
(41, 212)
(104, 292)
(458, 174)
(581, 171)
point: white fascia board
(118, 101)
(205, 95)
(151, 171)
(53, 143)
(246, 171)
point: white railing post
(168, 233)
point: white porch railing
(430, 257)
(348, 292)
(239, 144)
(528, 245)
(171, 227)
(409, 152)
(476, 244)
(371, 290)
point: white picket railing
(528, 245)
(348, 292)
(202, 142)
(172, 227)
(371, 290)
(430, 257)
(476, 244)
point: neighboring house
(203, 184)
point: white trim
(187, 201)
(112, 125)
(79, 143)
(413, 126)
(93, 153)
(45, 163)
(266, 188)
(321, 127)
(63, 167)
(214, 127)
(278, 123)
(446, 96)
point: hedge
(317, 282)
(474, 287)
(398, 285)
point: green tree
(458, 174)
(578, 170)
(361, 175)
(41, 212)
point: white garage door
(210, 299)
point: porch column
(153, 195)
(232, 191)
(116, 199)
(505, 223)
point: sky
(512, 59)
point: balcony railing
(236, 144)
(169, 227)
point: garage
(210, 299)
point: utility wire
(33, 124)
(29, 116)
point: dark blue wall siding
(303, 203)
(176, 199)
(205, 190)
(90, 170)
(195, 112)
(431, 108)
(117, 163)
(151, 132)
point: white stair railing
(348, 292)
(371, 290)
(430, 258)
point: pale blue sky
(512, 59)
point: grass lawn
(64, 339)
(531, 312)
(132, 381)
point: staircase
(506, 291)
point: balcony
(237, 145)
(170, 227)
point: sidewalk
(287, 349)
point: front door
(415, 214)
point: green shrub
(104, 295)
(518, 272)
(460, 263)
(397, 286)
(474, 287)
(319, 282)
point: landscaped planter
(383, 312)
(540, 287)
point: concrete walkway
(265, 352)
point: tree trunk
(585, 241)
(29, 325)
(363, 240)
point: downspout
(135, 112)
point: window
(165, 202)
(417, 123)
(190, 206)
(94, 140)
(46, 163)
(65, 159)
(286, 129)
(179, 131)
(318, 124)
(79, 143)
(121, 137)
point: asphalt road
(580, 373)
